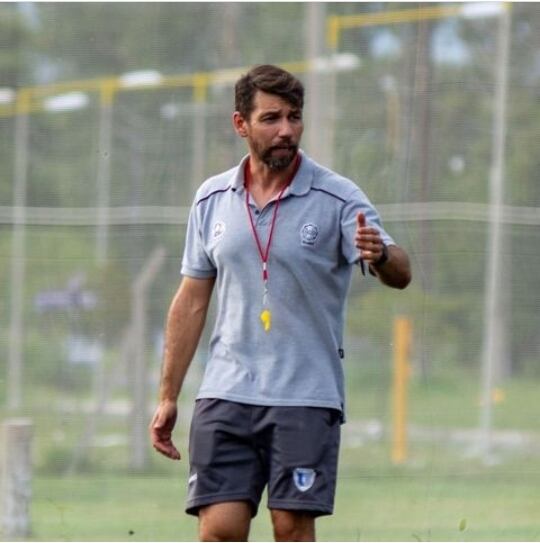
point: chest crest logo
(309, 234)
(218, 230)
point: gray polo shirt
(299, 361)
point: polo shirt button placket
(258, 216)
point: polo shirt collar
(238, 178)
(301, 184)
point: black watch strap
(384, 257)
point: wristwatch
(383, 258)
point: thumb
(361, 220)
(161, 418)
(158, 421)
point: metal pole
(393, 112)
(104, 171)
(139, 413)
(18, 254)
(422, 97)
(402, 344)
(493, 307)
(314, 48)
(16, 477)
(330, 128)
(200, 87)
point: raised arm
(185, 322)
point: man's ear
(239, 124)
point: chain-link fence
(432, 110)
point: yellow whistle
(266, 318)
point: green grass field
(400, 506)
(442, 493)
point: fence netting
(99, 171)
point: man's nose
(285, 129)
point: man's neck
(265, 179)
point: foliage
(15, 37)
(446, 327)
(112, 287)
(377, 142)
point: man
(278, 237)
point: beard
(280, 161)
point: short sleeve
(196, 262)
(356, 203)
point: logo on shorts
(309, 234)
(218, 230)
(304, 478)
(192, 479)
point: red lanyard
(264, 253)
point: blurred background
(112, 114)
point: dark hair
(270, 79)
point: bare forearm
(185, 323)
(181, 339)
(396, 271)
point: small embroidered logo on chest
(309, 234)
(218, 230)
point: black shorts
(237, 449)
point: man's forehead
(264, 101)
